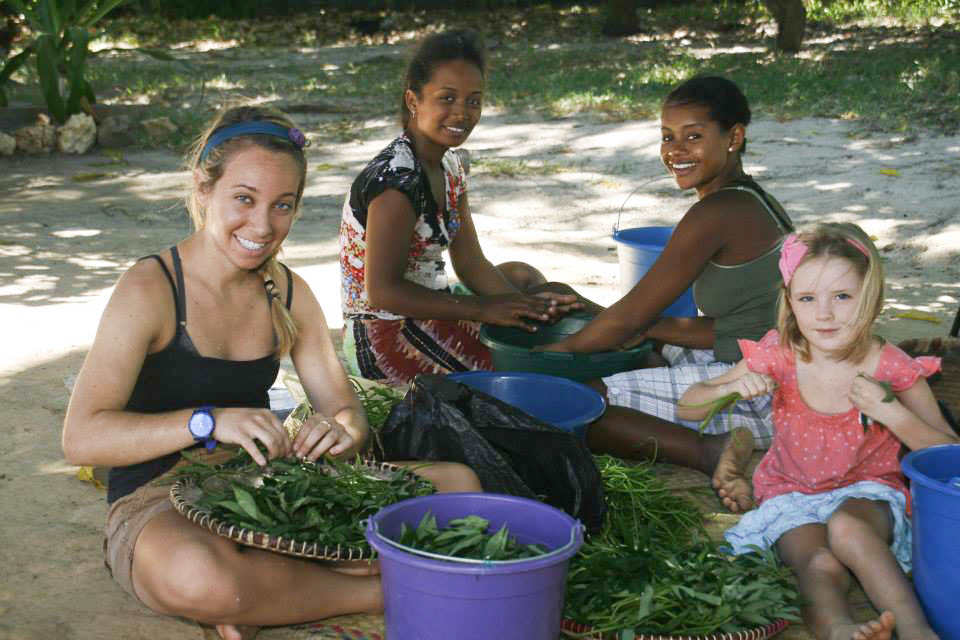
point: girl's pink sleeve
(903, 371)
(763, 356)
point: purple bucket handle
(576, 534)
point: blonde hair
(840, 240)
(211, 167)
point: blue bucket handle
(616, 225)
(374, 527)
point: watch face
(201, 424)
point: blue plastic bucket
(426, 598)
(936, 532)
(637, 250)
(565, 404)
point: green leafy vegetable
(716, 406)
(889, 395)
(653, 570)
(466, 538)
(324, 502)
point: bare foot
(879, 629)
(730, 473)
(237, 631)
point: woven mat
(351, 627)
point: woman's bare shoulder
(726, 203)
(143, 290)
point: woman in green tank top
(727, 247)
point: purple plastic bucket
(426, 598)
(936, 529)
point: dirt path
(544, 192)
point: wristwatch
(201, 425)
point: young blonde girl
(832, 498)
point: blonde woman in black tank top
(187, 347)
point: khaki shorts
(130, 514)
(125, 520)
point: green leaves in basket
(325, 503)
(466, 538)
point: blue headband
(264, 127)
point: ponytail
(284, 328)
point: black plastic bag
(511, 451)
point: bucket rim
(908, 464)
(569, 357)
(598, 405)
(458, 565)
(560, 551)
(620, 235)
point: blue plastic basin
(936, 529)
(565, 404)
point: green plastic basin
(512, 350)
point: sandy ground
(65, 242)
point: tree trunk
(791, 17)
(621, 18)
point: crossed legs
(184, 570)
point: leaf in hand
(889, 395)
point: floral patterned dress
(382, 345)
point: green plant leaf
(246, 502)
(97, 15)
(9, 68)
(47, 62)
(67, 12)
(496, 545)
(76, 62)
(51, 16)
(13, 64)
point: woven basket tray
(577, 630)
(185, 493)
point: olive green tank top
(742, 298)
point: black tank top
(178, 377)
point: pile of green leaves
(641, 511)
(697, 590)
(466, 538)
(324, 502)
(653, 569)
(377, 400)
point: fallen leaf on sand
(85, 474)
(918, 315)
(89, 176)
